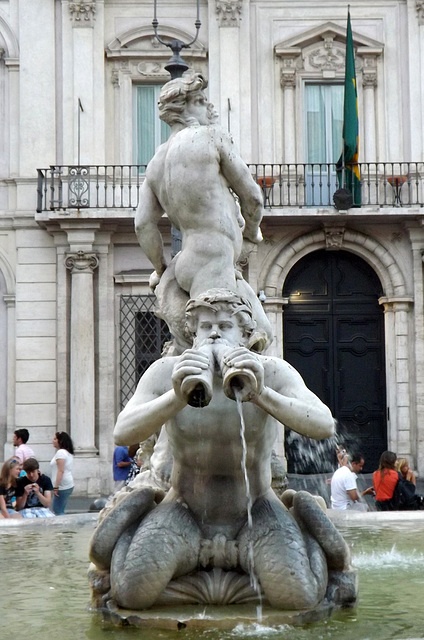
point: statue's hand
(190, 363)
(154, 280)
(242, 359)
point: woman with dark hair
(61, 463)
(8, 488)
(385, 480)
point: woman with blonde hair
(9, 490)
(402, 465)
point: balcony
(383, 184)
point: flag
(348, 174)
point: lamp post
(176, 65)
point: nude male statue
(206, 507)
(189, 178)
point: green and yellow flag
(348, 174)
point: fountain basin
(44, 582)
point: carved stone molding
(419, 5)
(369, 71)
(369, 78)
(334, 237)
(288, 73)
(150, 69)
(83, 12)
(81, 262)
(229, 12)
(320, 53)
(329, 56)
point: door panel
(334, 336)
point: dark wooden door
(334, 336)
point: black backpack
(404, 497)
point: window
(142, 336)
(150, 132)
(324, 126)
(324, 122)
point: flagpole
(79, 131)
(344, 139)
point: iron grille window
(142, 338)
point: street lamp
(176, 65)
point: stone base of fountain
(203, 617)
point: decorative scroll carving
(79, 187)
(229, 12)
(152, 69)
(81, 261)
(334, 237)
(419, 5)
(82, 12)
(328, 55)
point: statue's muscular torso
(209, 478)
(206, 213)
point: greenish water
(44, 591)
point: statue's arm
(147, 217)
(158, 396)
(238, 176)
(286, 397)
(149, 408)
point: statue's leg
(311, 517)
(291, 568)
(165, 545)
(342, 578)
(113, 521)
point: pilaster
(82, 386)
(401, 414)
(37, 85)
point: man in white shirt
(344, 492)
(23, 451)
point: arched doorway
(333, 334)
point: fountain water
(49, 597)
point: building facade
(343, 288)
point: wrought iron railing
(383, 184)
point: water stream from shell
(251, 561)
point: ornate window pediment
(147, 57)
(320, 52)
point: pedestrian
(121, 466)
(385, 480)
(61, 463)
(344, 491)
(9, 490)
(37, 492)
(402, 465)
(23, 451)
